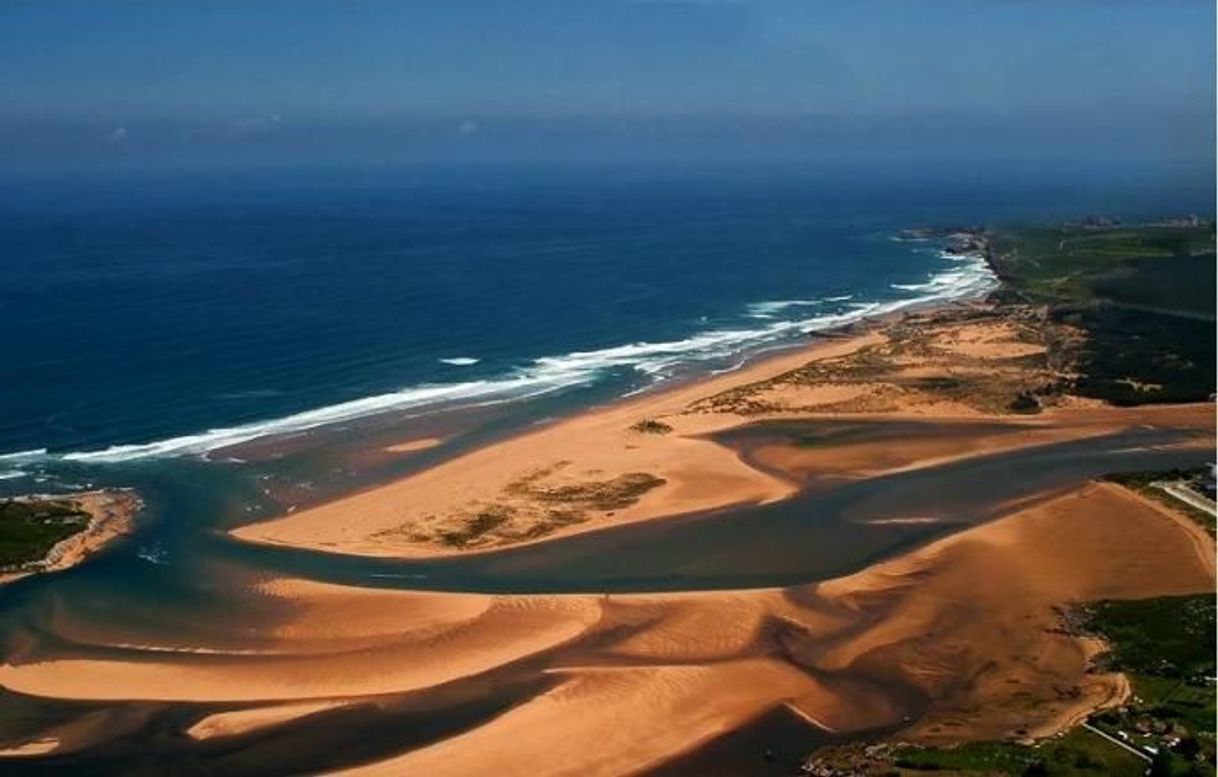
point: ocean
(158, 316)
(235, 346)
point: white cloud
(117, 135)
(468, 128)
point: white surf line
(22, 456)
(970, 277)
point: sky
(163, 83)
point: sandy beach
(960, 636)
(598, 444)
(652, 456)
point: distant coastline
(764, 327)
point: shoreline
(620, 414)
(751, 487)
(956, 635)
(891, 647)
(579, 473)
(944, 286)
(111, 515)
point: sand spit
(237, 722)
(651, 457)
(959, 639)
(412, 517)
(412, 446)
(111, 515)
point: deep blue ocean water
(152, 315)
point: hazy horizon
(105, 85)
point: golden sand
(968, 622)
(959, 639)
(650, 458)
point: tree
(1036, 769)
(1160, 765)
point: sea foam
(17, 457)
(968, 276)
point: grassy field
(1171, 636)
(1074, 754)
(1143, 295)
(1159, 267)
(28, 529)
(1078, 752)
(1166, 647)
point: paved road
(1189, 497)
(1118, 742)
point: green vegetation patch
(1078, 752)
(1075, 753)
(29, 528)
(1156, 266)
(1166, 647)
(651, 426)
(1171, 636)
(1000, 757)
(1143, 296)
(615, 494)
(1136, 357)
(476, 526)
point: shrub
(651, 426)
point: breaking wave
(968, 276)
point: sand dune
(511, 628)
(978, 607)
(698, 473)
(961, 637)
(568, 477)
(612, 721)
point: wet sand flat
(887, 646)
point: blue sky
(162, 82)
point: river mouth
(192, 606)
(826, 530)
